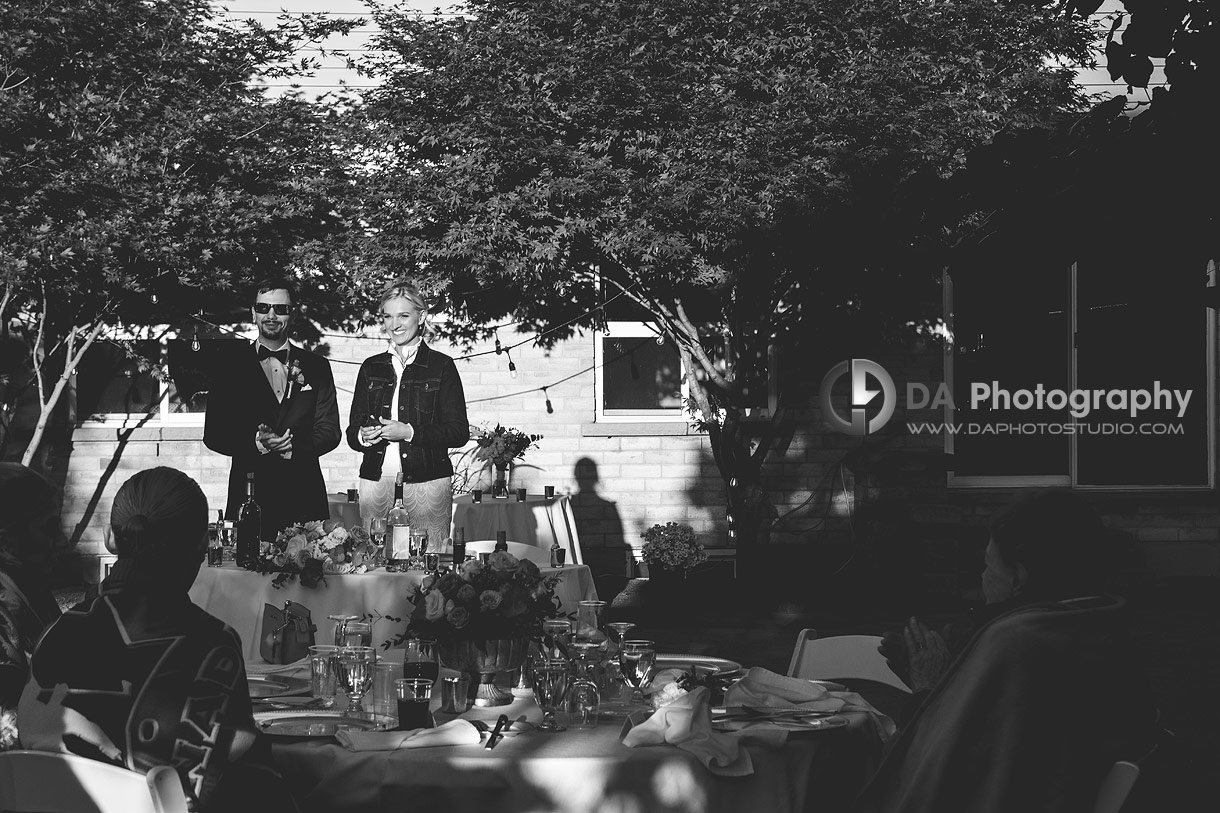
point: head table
(579, 772)
(237, 596)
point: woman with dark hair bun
(29, 526)
(163, 681)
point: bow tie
(281, 354)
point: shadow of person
(605, 550)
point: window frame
(162, 417)
(631, 329)
(1071, 479)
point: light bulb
(194, 344)
(550, 410)
(512, 369)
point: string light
(512, 368)
(499, 347)
(550, 410)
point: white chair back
(39, 781)
(842, 656)
(539, 556)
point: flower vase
(500, 487)
(485, 659)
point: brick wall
(830, 490)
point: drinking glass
(584, 698)
(620, 628)
(359, 633)
(550, 685)
(418, 543)
(323, 674)
(377, 529)
(555, 632)
(385, 698)
(635, 661)
(341, 622)
(414, 698)
(419, 660)
(356, 674)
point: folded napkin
(764, 688)
(687, 724)
(454, 732)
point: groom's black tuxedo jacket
(287, 490)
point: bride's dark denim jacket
(430, 398)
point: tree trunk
(72, 358)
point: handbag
(287, 634)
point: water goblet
(355, 670)
(635, 660)
(620, 628)
(555, 632)
(341, 622)
(550, 685)
(584, 696)
(359, 633)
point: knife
(495, 732)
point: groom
(275, 414)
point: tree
(735, 169)
(144, 178)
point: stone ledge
(641, 429)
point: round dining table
(579, 771)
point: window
(110, 385)
(1104, 331)
(637, 379)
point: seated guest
(1041, 700)
(29, 525)
(163, 680)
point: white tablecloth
(579, 772)
(537, 521)
(237, 597)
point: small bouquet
(502, 445)
(672, 546)
(311, 551)
(506, 598)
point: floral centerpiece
(673, 547)
(311, 551)
(501, 446)
(482, 617)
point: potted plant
(672, 549)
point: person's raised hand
(927, 655)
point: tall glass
(550, 685)
(323, 674)
(377, 531)
(584, 698)
(355, 670)
(358, 633)
(589, 622)
(419, 660)
(635, 660)
(414, 699)
(341, 622)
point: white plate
(265, 687)
(717, 667)
(803, 725)
(316, 723)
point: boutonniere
(296, 378)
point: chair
(539, 556)
(842, 657)
(39, 781)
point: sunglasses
(280, 310)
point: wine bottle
(502, 540)
(459, 547)
(249, 528)
(398, 526)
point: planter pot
(486, 659)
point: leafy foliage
(143, 177)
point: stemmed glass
(377, 529)
(341, 622)
(621, 628)
(356, 674)
(550, 685)
(635, 661)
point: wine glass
(377, 529)
(341, 622)
(358, 633)
(621, 628)
(555, 632)
(550, 685)
(635, 661)
(355, 670)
